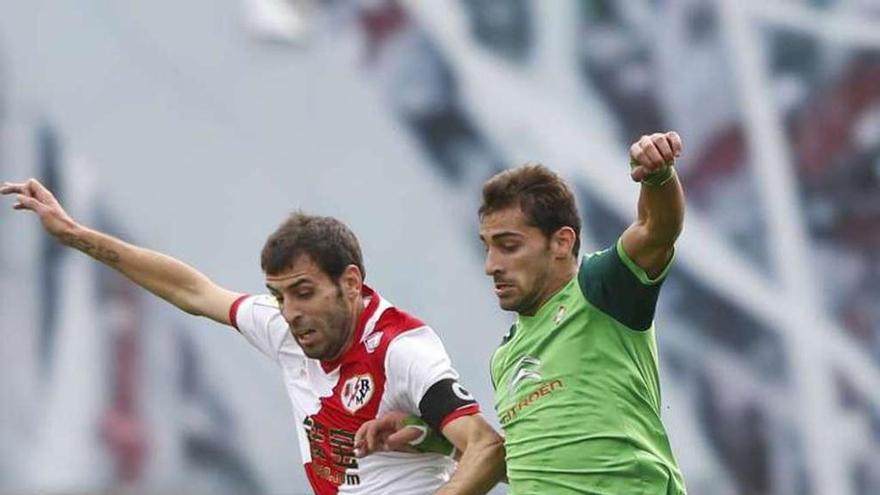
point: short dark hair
(326, 240)
(544, 198)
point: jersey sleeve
(612, 282)
(259, 320)
(421, 374)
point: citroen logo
(527, 368)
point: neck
(554, 285)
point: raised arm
(650, 239)
(164, 276)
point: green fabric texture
(577, 388)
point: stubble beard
(339, 320)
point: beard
(530, 280)
(524, 305)
(530, 302)
(338, 328)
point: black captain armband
(443, 399)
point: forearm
(661, 212)
(480, 468)
(162, 275)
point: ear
(351, 280)
(562, 242)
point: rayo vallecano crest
(356, 392)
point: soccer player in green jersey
(576, 381)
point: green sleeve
(614, 284)
(430, 441)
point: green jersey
(577, 390)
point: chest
(346, 395)
(542, 348)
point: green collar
(550, 307)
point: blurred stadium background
(194, 127)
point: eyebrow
(288, 287)
(503, 235)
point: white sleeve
(415, 361)
(259, 320)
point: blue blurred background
(194, 127)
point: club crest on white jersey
(356, 392)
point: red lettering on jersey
(354, 401)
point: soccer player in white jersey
(346, 354)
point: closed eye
(305, 294)
(509, 247)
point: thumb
(26, 203)
(39, 191)
(638, 173)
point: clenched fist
(654, 154)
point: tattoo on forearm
(100, 253)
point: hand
(652, 154)
(385, 434)
(33, 196)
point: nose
(292, 315)
(491, 266)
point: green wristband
(430, 441)
(657, 178)
(660, 178)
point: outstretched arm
(164, 276)
(650, 239)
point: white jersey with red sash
(397, 364)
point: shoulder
(612, 264)
(395, 322)
(394, 329)
(411, 351)
(248, 304)
(258, 310)
(610, 281)
(414, 345)
(259, 320)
